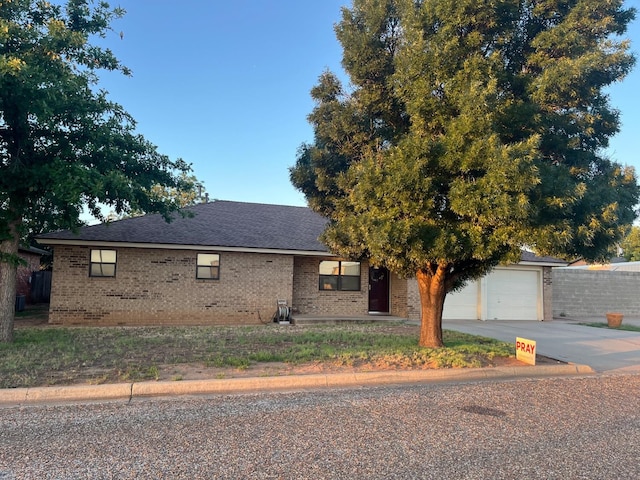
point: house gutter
(542, 264)
(169, 246)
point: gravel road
(571, 428)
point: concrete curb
(128, 391)
(65, 393)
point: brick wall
(414, 307)
(547, 293)
(308, 299)
(155, 286)
(398, 287)
(593, 293)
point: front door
(378, 290)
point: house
(598, 266)
(230, 262)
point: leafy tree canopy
(63, 143)
(470, 129)
(631, 245)
(191, 192)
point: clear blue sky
(225, 86)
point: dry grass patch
(49, 356)
(627, 327)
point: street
(578, 427)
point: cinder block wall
(308, 299)
(156, 286)
(591, 293)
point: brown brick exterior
(398, 302)
(156, 286)
(308, 299)
(414, 307)
(547, 293)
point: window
(103, 263)
(208, 266)
(335, 275)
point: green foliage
(189, 192)
(12, 259)
(472, 128)
(627, 327)
(631, 245)
(60, 355)
(63, 143)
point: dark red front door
(378, 290)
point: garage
(507, 293)
(513, 294)
(463, 305)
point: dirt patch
(33, 316)
(201, 372)
(133, 354)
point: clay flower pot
(614, 320)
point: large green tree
(63, 143)
(631, 245)
(190, 192)
(470, 129)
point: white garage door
(512, 295)
(462, 305)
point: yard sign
(526, 350)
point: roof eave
(169, 246)
(542, 263)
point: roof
(530, 257)
(582, 261)
(610, 267)
(238, 225)
(224, 225)
(33, 250)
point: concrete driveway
(605, 350)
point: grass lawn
(66, 355)
(629, 328)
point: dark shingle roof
(226, 224)
(532, 257)
(33, 250)
(215, 224)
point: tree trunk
(8, 269)
(433, 291)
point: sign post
(526, 350)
